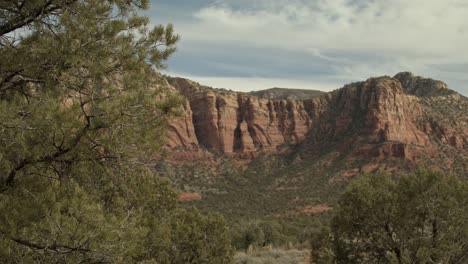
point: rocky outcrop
(377, 109)
(231, 123)
(181, 131)
(403, 118)
(417, 85)
(380, 121)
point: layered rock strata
(404, 117)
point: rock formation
(181, 132)
(420, 86)
(232, 123)
(405, 117)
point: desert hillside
(382, 123)
(248, 156)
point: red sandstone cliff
(404, 118)
(231, 123)
(181, 132)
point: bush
(414, 218)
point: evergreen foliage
(415, 218)
(321, 251)
(81, 113)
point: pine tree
(82, 111)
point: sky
(247, 45)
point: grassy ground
(272, 256)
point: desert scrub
(272, 256)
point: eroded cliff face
(377, 109)
(181, 131)
(236, 123)
(406, 117)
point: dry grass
(272, 256)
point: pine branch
(62, 249)
(23, 19)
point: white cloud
(356, 39)
(419, 27)
(243, 84)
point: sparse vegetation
(272, 256)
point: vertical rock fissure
(279, 109)
(292, 125)
(220, 125)
(195, 122)
(237, 144)
(250, 121)
(271, 117)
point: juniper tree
(415, 218)
(81, 111)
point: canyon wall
(402, 117)
(229, 122)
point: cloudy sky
(315, 44)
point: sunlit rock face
(404, 117)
